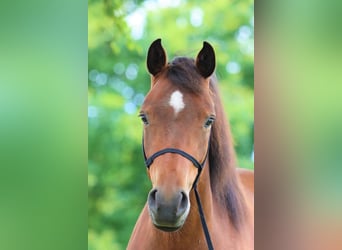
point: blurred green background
(119, 34)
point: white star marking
(176, 101)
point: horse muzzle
(168, 214)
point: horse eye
(209, 121)
(144, 119)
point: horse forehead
(176, 101)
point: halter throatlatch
(199, 166)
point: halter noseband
(199, 166)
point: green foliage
(118, 80)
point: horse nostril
(152, 197)
(183, 204)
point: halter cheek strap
(199, 166)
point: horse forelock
(182, 72)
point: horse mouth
(167, 228)
(168, 225)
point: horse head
(177, 114)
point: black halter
(199, 166)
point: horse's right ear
(156, 57)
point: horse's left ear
(205, 61)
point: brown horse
(185, 132)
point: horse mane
(182, 72)
(222, 163)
